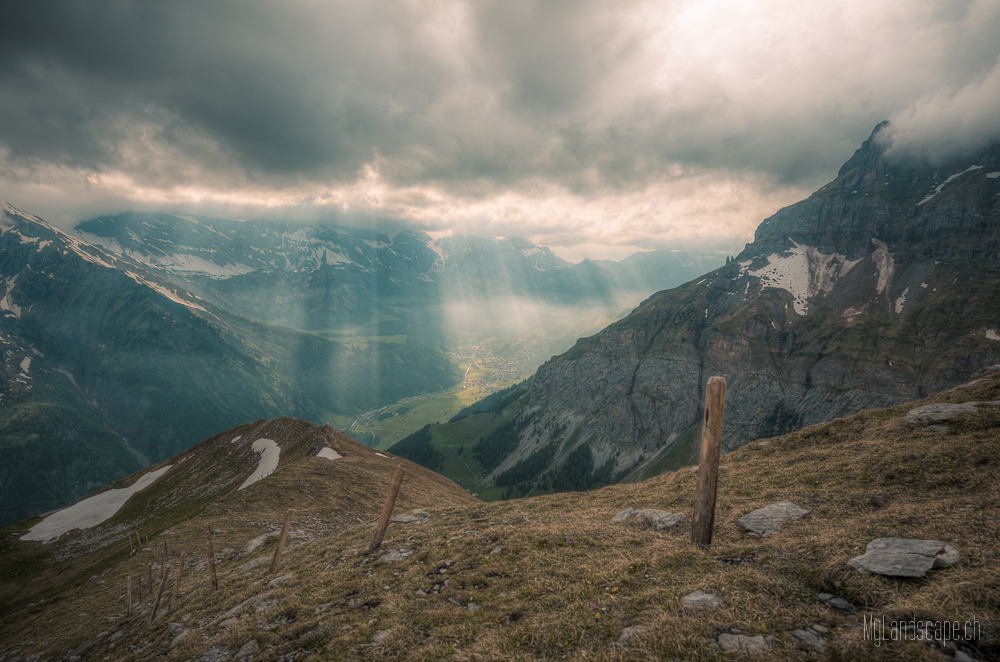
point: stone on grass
(937, 413)
(215, 654)
(904, 557)
(274, 582)
(741, 643)
(396, 555)
(382, 636)
(769, 519)
(701, 600)
(661, 520)
(179, 638)
(629, 635)
(623, 515)
(839, 603)
(249, 648)
(407, 518)
(810, 639)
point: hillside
(879, 288)
(552, 577)
(108, 368)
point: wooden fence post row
(281, 541)
(390, 501)
(708, 463)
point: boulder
(904, 557)
(741, 643)
(629, 635)
(932, 417)
(701, 600)
(839, 603)
(769, 519)
(661, 520)
(396, 555)
(810, 639)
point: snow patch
(901, 301)
(269, 455)
(380, 455)
(5, 302)
(91, 511)
(25, 365)
(991, 334)
(329, 453)
(803, 272)
(170, 294)
(937, 189)
(235, 439)
(992, 175)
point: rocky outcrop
(901, 557)
(851, 299)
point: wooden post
(390, 501)
(150, 570)
(281, 541)
(159, 595)
(211, 557)
(140, 588)
(166, 557)
(131, 549)
(177, 582)
(129, 578)
(708, 464)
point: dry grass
(567, 580)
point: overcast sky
(596, 128)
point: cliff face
(878, 289)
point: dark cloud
(453, 107)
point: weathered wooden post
(708, 464)
(140, 588)
(390, 501)
(177, 582)
(281, 541)
(129, 578)
(150, 570)
(159, 595)
(211, 557)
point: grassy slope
(555, 578)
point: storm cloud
(586, 124)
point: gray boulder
(661, 520)
(741, 643)
(701, 600)
(396, 555)
(629, 635)
(932, 417)
(810, 639)
(839, 603)
(904, 557)
(769, 519)
(623, 515)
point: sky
(595, 128)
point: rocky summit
(877, 289)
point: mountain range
(136, 335)
(879, 288)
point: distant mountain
(880, 287)
(321, 277)
(108, 367)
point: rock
(421, 593)
(249, 648)
(935, 414)
(630, 634)
(904, 557)
(116, 636)
(274, 582)
(382, 636)
(810, 639)
(498, 549)
(839, 603)
(623, 515)
(701, 600)
(407, 518)
(769, 519)
(265, 605)
(238, 608)
(396, 555)
(819, 629)
(741, 643)
(963, 657)
(661, 520)
(229, 622)
(257, 562)
(215, 654)
(179, 638)
(318, 611)
(174, 628)
(473, 607)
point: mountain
(553, 577)
(107, 368)
(879, 288)
(322, 277)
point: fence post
(177, 582)
(281, 541)
(129, 612)
(211, 557)
(390, 501)
(156, 603)
(708, 464)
